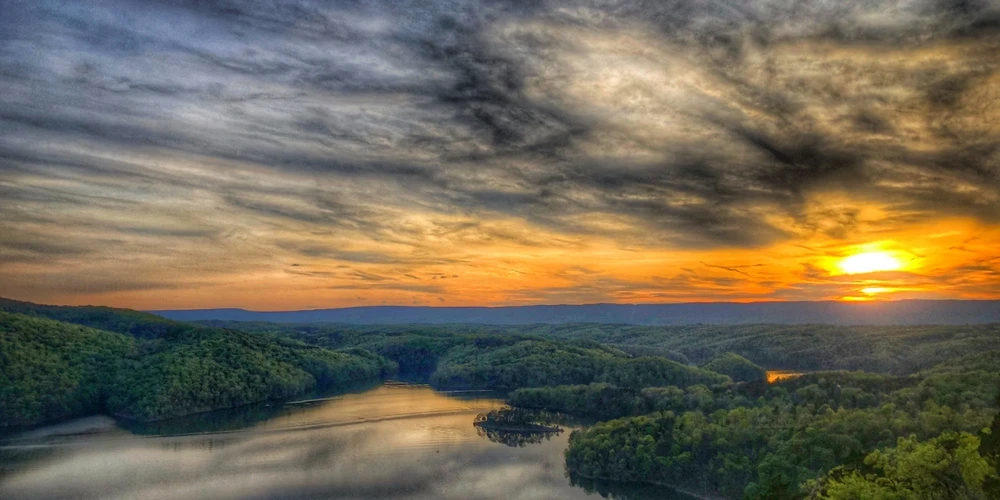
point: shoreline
(520, 429)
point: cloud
(235, 137)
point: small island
(513, 420)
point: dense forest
(54, 370)
(737, 367)
(772, 441)
(880, 349)
(457, 358)
(143, 367)
(535, 363)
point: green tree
(946, 467)
(989, 448)
(737, 367)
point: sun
(869, 262)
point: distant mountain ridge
(903, 312)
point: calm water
(391, 441)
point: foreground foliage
(948, 466)
(770, 441)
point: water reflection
(405, 442)
(239, 418)
(619, 491)
(514, 427)
(779, 375)
(514, 439)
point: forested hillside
(469, 357)
(135, 323)
(143, 367)
(777, 441)
(880, 349)
(883, 349)
(735, 366)
(53, 370)
(535, 363)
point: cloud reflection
(429, 453)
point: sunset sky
(291, 155)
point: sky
(297, 154)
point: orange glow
(868, 262)
(776, 375)
(509, 262)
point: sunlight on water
(776, 375)
(383, 403)
(406, 442)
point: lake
(394, 440)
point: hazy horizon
(870, 303)
(584, 304)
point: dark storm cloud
(705, 125)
